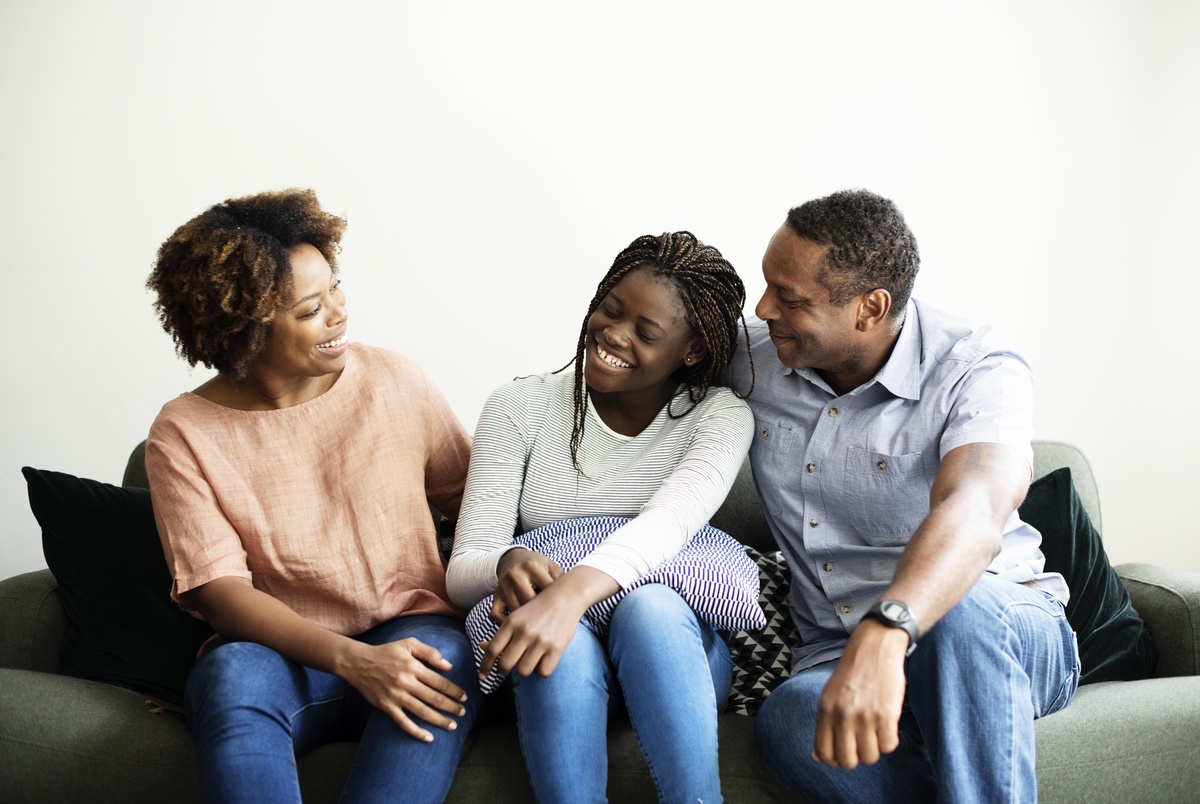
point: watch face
(894, 611)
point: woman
(638, 431)
(290, 494)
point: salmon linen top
(321, 505)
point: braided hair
(220, 278)
(713, 296)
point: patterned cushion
(762, 659)
(712, 573)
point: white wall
(492, 158)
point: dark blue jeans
(1002, 657)
(252, 712)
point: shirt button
(833, 412)
(845, 609)
(766, 434)
(882, 465)
(828, 566)
(814, 522)
(812, 467)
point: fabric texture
(844, 479)
(1114, 642)
(1000, 634)
(668, 479)
(102, 547)
(712, 574)
(323, 505)
(762, 658)
(252, 712)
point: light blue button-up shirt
(845, 480)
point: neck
(257, 392)
(631, 413)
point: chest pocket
(892, 494)
(775, 459)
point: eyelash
(311, 313)
(608, 313)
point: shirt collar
(901, 374)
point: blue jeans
(674, 672)
(252, 712)
(1002, 657)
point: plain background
(492, 159)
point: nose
(616, 335)
(337, 307)
(765, 309)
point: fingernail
(452, 726)
(463, 698)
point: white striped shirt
(670, 479)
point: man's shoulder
(952, 337)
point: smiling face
(807, 328)
(637, 338)
(308, 334)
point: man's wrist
(895, 614)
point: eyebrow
(641, 318)
(310, 296)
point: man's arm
(976, 489)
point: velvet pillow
(1114, 642)
(102, 546)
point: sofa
(64, 738)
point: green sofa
(67, 739)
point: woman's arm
(533, 637)
(488, 519)
(398, 678)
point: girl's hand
(520, 575)
(402, 678)
(533, 637)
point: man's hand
(859, 713)
(520, 575)
(403, 678)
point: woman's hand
(403, 678)
(520, 575)
(533, 637)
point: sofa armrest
(1169, 602)
(32, 622)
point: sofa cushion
(1114, 642)
(762, 658)
(101, 544)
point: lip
(335, 351)
(597, 347)
(777, 339)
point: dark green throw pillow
(1114, 642)
(102, 546)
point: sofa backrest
(742, 517)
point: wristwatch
(895, 614)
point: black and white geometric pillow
(762, 658)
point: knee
(786, 723)
(233, 675)
(652, 606)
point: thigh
(655, 633)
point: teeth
(338, 341)
(610, 360)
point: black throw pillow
(1114, 642)
(102, 546)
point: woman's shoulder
(535, 388)
(719, 398)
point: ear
(873, 309)
(695, 352)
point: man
(891, 451)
